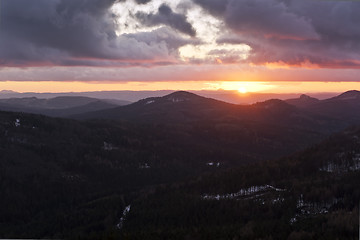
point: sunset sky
(245, 45)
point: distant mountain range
(272, 128)
(58, 106)
(296, 116)
(230, 96)
(305, 112)
(182, 107)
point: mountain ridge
(183, 107)
(62, 106)
(345, 106)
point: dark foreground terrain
(309, 195)
(183, 167)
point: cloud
(142, 1)
(68, 32)
(166, 16)
(298, 33)
(154, 32)
(215, 7)
(169, 73)
(269, 19)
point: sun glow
(242, 90)
(241, 87)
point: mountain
(58, 106)
(52, 103)
(303, 101)
(67, 112)
(309, 195)
(180, 107)
(175, 107)
(123, 96)
(348, 96)
(344, 107)
(230, 96)
(260, 131)
(7, 92)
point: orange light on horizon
(239, 86)
(242, 90)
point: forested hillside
(63, 178)
(217, 172)
(310, 195)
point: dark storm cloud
(142, 1)
(73, 26)
(167, 17)
(267, 18)
(73, 31)
(216, 7)
(294, 32)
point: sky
(249, 45)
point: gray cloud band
(79, 32)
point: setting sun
(242, 90)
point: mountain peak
(304, 96)
(181, 96)
(353, 94)
(303, 101)
(175, 97)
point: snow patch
(149, 102)
(109, 146)
(277, 200)
(123, 217)
(17, 122)
(243, 193)
(346, 162)
(356, 160)
(293, 220)
(213, 164)
(305, 208)
(176, 100)
(144, 166)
